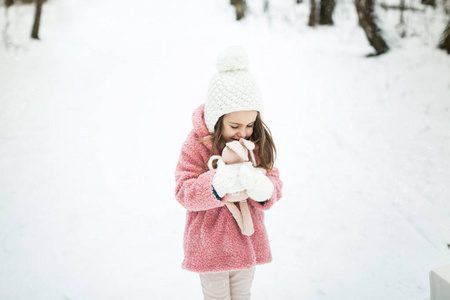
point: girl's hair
(261, 136)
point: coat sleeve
(194, 189)
(274, 176)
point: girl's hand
(226, 180)
(258, 185)
(248, 176)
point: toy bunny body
(237, 153)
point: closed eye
(237, 126)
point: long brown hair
(261, 136)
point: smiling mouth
(238, 139)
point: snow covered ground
(92, 119)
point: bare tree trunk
(266, 6)
(444, 44)
(402, 9)
(367, 20)
(326, 12)
(312, 14)
(402, 26)
(446, 5)
(240, 6)
(429, 2)
(5, 35)
(37, 20)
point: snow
(92, 119)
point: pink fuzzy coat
(213, 241)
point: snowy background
(93, 116)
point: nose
(241, 133)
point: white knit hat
(232, 89)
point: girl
(213, 243)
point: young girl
(213, 243)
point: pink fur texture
(213, 241)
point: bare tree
(323, 14)
(313, 14)
(444, 44)
(326, 12)
(429, 2)
(446, 5)
(5, 35)
(37, 19)
(266, 6)
(241, 7)
(367, 20)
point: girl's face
(238, 125)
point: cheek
(249, 132)
(227, 133)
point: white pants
(234, 285)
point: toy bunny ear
(247, 144)
(250, 146)
(238, 148)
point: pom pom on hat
(232, 89)
(232, 59)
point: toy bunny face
(229, 156)
(237, 151)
